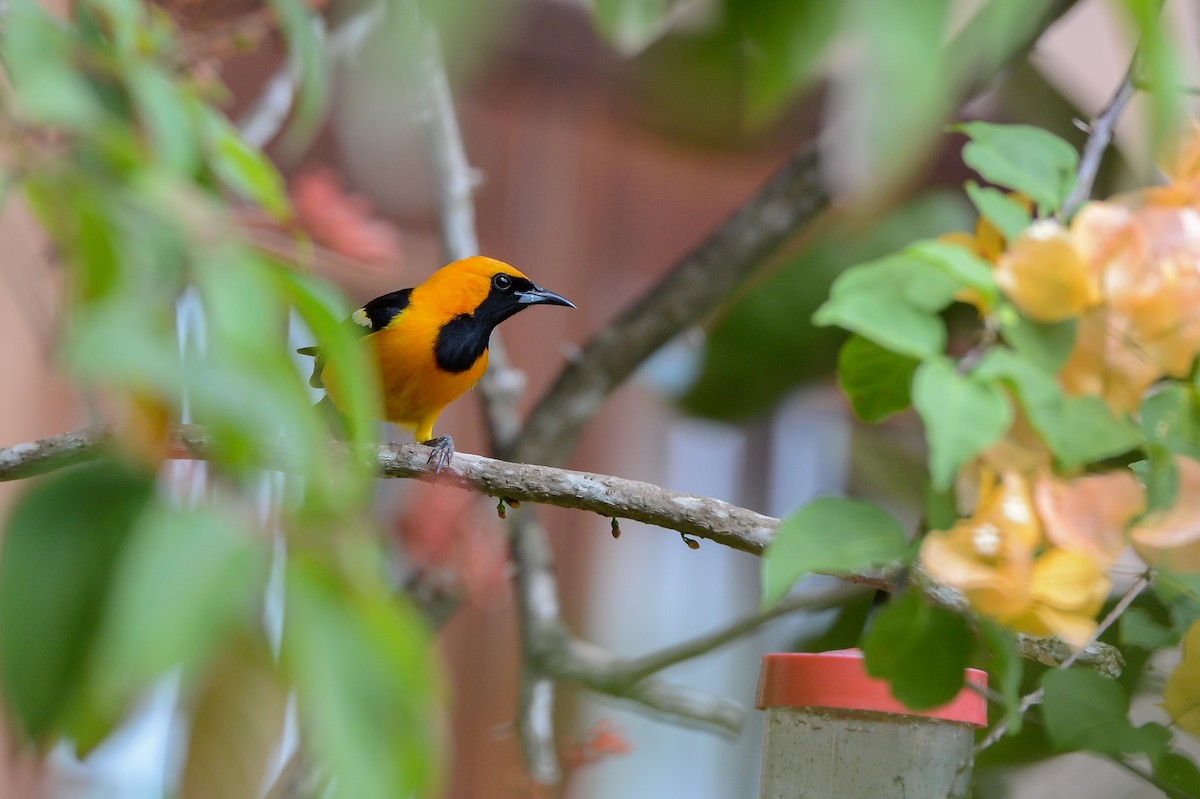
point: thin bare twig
(1100, 133)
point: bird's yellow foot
(443, 451)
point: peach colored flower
(1089, 514)
(995, 559)
(1045, 276)
(989, 556)
(1066, 590)
(1147, 261)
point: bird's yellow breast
(415, 389)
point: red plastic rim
(839, 680)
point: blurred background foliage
(115, 131)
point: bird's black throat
(464, 339)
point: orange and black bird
(430, 343)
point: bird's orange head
(486, 289)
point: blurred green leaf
(1138, 627)
(963, 416)
(733, 75)
(187, 579)
(1026, 159)
(1159, 476)
(1045, 345)
(877, 381)
(367, 685)
(60, 550)
(1171, 417)
(39, 60)
(630, 24)
(781, 45)
(1093, 433)
(995, 206)
(922, 650)
(765, 344)
(894, 302)
(1086, 710)
(1177, 770)
(167, 113)
(966, 268)
(1078, 430)
(1159, 69)
(303, 30)
(236, 724)
(830, 535)
(886, 133)
(243, 169)
(1005, 669)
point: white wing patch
(360, 317)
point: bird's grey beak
(542, 296)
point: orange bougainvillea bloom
(989, 556)
(1148, 263)
(1066, 590)
(999, 560)
(1089, 514)
(1045, 276)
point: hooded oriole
(430, 343)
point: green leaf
(772, 318)
(1005, 214)
(188, 578)
(1160, 68)
(1078, 430)
(1159, 476)
(236, 720)
(887, 132)
(894, 302)
(243, 169)
(1177, 770)
(60, 550)
(1029, 160)
(1045, 345)
(830, 535)
(780, 47)
(963, 416)
(1086, 710)
(1005, 670)
(922, 650)
(306, 52)
(167, 113)
(966, 268)
(876, 380)
(1138, 627)
(1093, 433)
(39, 60)
(366, 685)
(1171, 418)
(630, 25)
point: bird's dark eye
(502, 282)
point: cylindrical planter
(834, 732)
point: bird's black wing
(371, 318)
